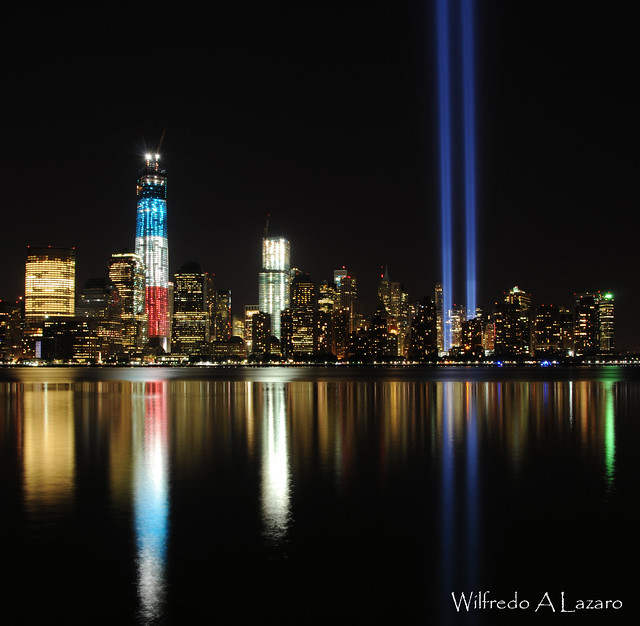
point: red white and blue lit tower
(152, 246)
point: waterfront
(307, 495)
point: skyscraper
(126, 272)
(585, 325)
(440, 321)
(222, 323)
(152, 246)
(190, 316)
(303, 311)
(50, 285)
(273, 292)
(606, 322)
(348, 289)
(593, 323)
(99, 302)
(513, 324)
(249, 311)
(424, 332)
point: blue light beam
(444, 107)
(469, 153)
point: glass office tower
(50, 285)
(127, 273)
(275, 277)
(152, 247)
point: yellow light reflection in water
(275, 464)
(49, 447)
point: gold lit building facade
(127, 273)
(50, 286)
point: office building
(10, 331)
(99, 300)
(606, 334)
(439, 306)
(222, 326)
(327, 308)
(50, 286)
(593, 327)
(348, 289)
(127, 273)
(249, 311)
(396, 302)
(303, 311)
(190, 314)
(513, 325)
(152, 247)
(424, 332)
(261, 334)
(274, 280)
(547, 331)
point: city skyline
(336, 142)
(276, 294)
(115, 319)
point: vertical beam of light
(444, 104)
(468, 96)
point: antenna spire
(161, 140)
(266, 226)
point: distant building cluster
(136, 314)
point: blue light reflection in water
(146, 485)
(151, 494)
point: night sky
(324, 116)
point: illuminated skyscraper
(396, 302)
(424, 332)
(338, 275)
(152, 246)
(190, 315)
(249, 311)
(303, 311)
(439, 318)
(547, 330)
(606, 322)
(222, 323)
(126, 272)
(275, 278)
(10, 331)
(50, 285)
(348, 289)
(328, 306)
(593, 323)
(513, 324)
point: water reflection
(151, 493)
(609, 435)
(447, 493)
(48, 450)
(275, 464)
(469, 470)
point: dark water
(332, 496)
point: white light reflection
(151, 499)
(275, 465)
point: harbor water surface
(336, 495)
